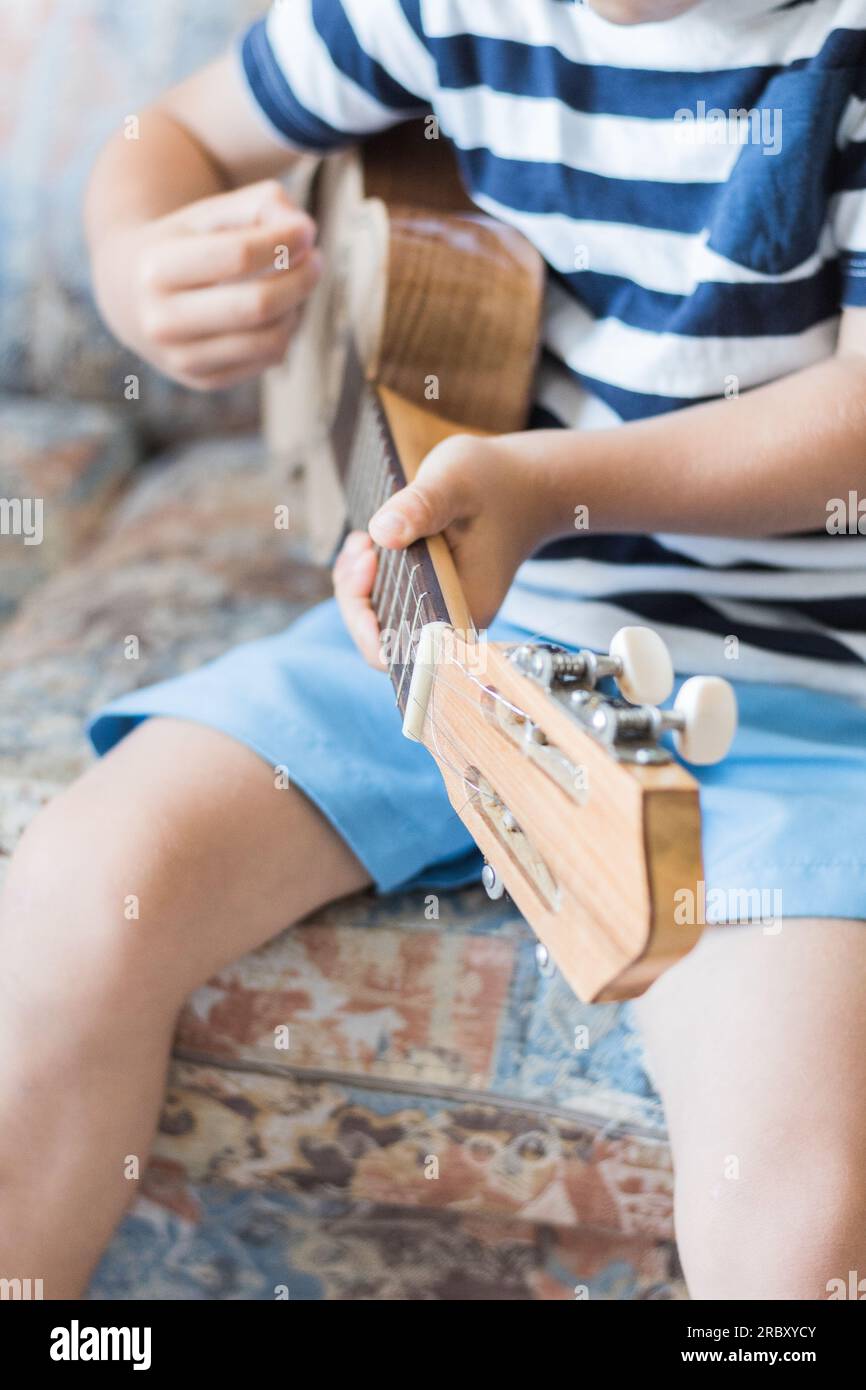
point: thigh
(305, 700)
(756, 1042)
(177, 852)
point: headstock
(583, 814)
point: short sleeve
(327, 72)
(848, 216)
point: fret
(351, 509)
(379, 580)
(369, 466)
(367, 457)
(354, 476)
(402, 571)
(379, 476)
(370, 480)
(410, 587)
(389, 483)
(411, 648)
(383, 487)
(372, 460)
(387, 562)
(366, 462)
(386, 489)
(378, 472)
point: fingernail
(388, 528)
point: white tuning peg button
(707, 707)
(646, 675)
(492, 880)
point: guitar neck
(408, 593)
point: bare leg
(757, 1044)
(187, 829)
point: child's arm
(767, 463)
(186, 261)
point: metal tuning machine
(639, 662)
(703, 720)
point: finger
(187, 262)
(355, 570)
(354, 576)
(355, 544)
(438, 496)
(211, 312)
(257, 202)
(222, 381)
(424, 508)
(256, 350)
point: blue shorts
(784, 815)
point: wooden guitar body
(443, 303)
(429, 324)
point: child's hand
(211, 294)
(483, 495)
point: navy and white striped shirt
(698, 189)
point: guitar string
(394, 584)
(369, 489)
(438, 730)
(366, 476)
(400, 566)
(411, 592)
(371, 482)
(467, 698)
(364, 479)
(398, 630)
(378, 473)
(409, 663)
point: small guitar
(431, 326)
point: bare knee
(174, 855)
(792, 1228)
(73, 929)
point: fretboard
(407, 593)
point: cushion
(410, 1037)
(211, 1242)
(190, 564)
(61, 465)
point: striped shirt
(698, 189)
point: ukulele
(427, 324)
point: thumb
(424, 508)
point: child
(694, 175)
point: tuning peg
(643, 668)
(493, 884)
(639, 661)
(706, 707)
